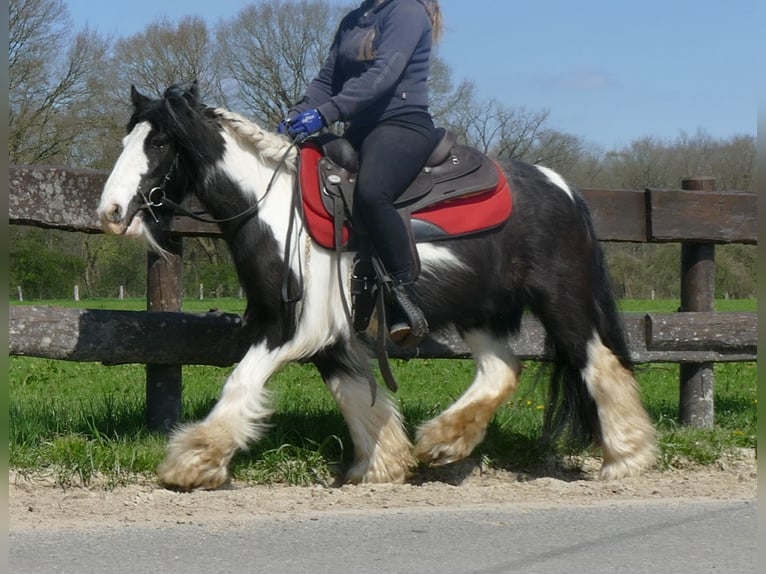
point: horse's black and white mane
(544, 258)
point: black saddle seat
(445, 141)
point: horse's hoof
(375, 476)
(626, 466)
(393, 469)
(193, 462)
(188, 477)
(439, 443)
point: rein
(158, 198)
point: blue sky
(608, 71)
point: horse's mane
(267, 145)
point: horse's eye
(158, 142)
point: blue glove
(305, 124)
(282, 129)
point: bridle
(157, 197)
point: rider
(375, 80)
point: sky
(609, 72)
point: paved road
(696, 538)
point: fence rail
(695, 216)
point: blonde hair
(437, 21)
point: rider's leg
(391, 156)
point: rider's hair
(437, 21)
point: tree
(271, 51)
(447, 102)
(52, 75)
(166, 54)
(40, 267)
(651, 162)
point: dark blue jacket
(377, 67)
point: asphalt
(678, 538)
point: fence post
(164, 292)
(697, 294)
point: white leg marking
(455, 433)
(382, 451)
(199, 454)
(556, 180)
(627, 435)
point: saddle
(458, 192)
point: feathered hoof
(194, 462)
(359, 474)
(393, 467)
(631, 465)
(447, 440)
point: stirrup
(408, 325)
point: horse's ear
(191, 95)
(137, 98)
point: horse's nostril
(114, 214)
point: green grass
(671, 305)
(236, 305)
(228, 304)
(79, 421)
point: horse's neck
(255, 178)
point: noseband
(156, 196)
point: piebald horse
(544, 258)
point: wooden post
(697, 406)
(164, 292)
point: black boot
(407, 324)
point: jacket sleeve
(400, 34)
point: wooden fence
(164, 338)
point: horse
(544, 258)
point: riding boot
(407, 323)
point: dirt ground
(36, 503)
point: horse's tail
(593, 319)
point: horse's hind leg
(627, 435)
(382, 451)
(199, 454)
(598, 384)
(453, 434)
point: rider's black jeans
(391, 154)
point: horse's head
(160, 155)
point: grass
(79, 421)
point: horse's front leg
(382, 450)
(198, 454)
